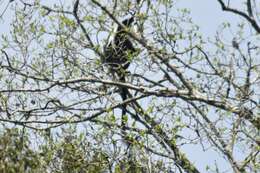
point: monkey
(117, 56)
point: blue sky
(208, 14)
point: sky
(207, 14)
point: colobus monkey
(117, 54)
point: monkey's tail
(123, 93)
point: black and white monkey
(117, 55)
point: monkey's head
(128, 22)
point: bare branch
(250, 19)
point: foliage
(60, 107)
(16, 154)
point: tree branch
(250, 19)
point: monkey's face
(128, 22)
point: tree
(186, 91)
(15, 153)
